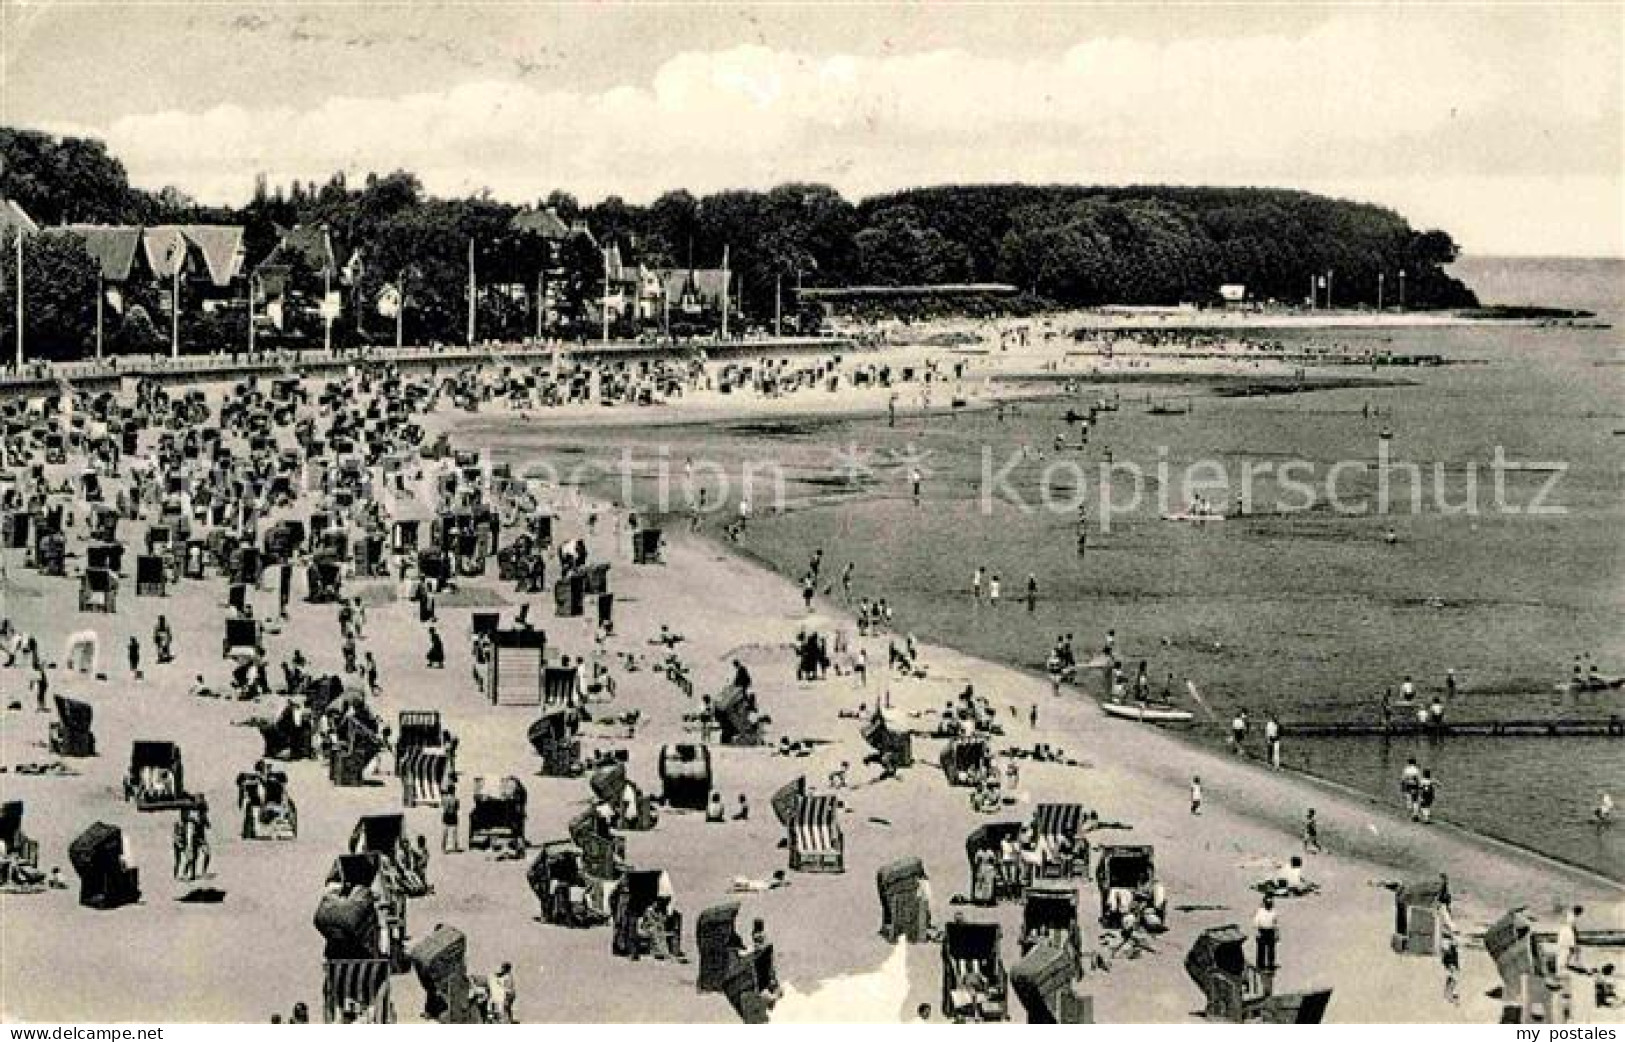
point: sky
(1503, 124)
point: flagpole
(327, 316)
(251, 278)
(100, 292)
(725, 291)
(19, 301)
(471, 291)
(400, 307)
(605, 307)
(778, 305)
(541, 299)
(175, 310)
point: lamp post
(100, 293)
(1379, 290)
(251, 279)
(1402, 289)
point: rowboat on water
(1197, 518)
(1148, 712)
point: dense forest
(1060, 245)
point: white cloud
(1366, 105)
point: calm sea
(1307, 614)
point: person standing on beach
(860, 667)
(1266, 934)
(914, 480)
(1272, 741)
(976, 583)
(135, 657)
(993, 592)
(846, 581)
(1196, 795)
(1032, 592)
(1311, 833)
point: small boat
(1148, 712)
(1168, 410)
(1193, 518)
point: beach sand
(257, 952)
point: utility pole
(1328, 289)
(605, 306)
(1402, 289)
(400, 308)
(778, 305)
(99, 294)
(1314, 291)
(541, 298)
(251, 278)
(1380, 277)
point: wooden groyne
(1548, 727)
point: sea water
(1306, 614)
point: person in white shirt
(1266, 934)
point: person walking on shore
(1272, 741)
(1196, 796)
(1449, 953)
(1426, 791)
(976, 583)
(1238, 733)
(993, 592)
(450, 819)
(1311, 833)
(1410, 780)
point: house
(208, 258)
(286, 278)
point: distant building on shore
(137, 261)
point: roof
(166, 249)
(546, 223)
(222, 248)
(310, 242)
(112, 245)
(12, 215)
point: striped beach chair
(1060, 826)
(358, 985)
(816, 841)
(422, 762)
(423, 774)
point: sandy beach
(257, 953)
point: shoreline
(787, 410)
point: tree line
(1059, 245)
